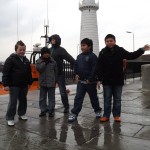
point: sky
(25, 19)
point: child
(86, 80)
(60, 54)
(111, 74)
(16, 79)
(47, 68)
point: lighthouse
(89, 27)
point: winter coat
(16, 72)
(110, 64)
(59, 54)
(85, 66)
(47, 72)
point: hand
(98, 85)
(46, 60)
(87, 81)
(56, 85)
(146, 47)
(68, 91)
(76, 78)
(6, 88)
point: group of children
(90, 72)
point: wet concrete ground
(133, 133)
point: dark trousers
(17, 94)
(44, 92)
(62, 89)
(109, 92)
(80, 94)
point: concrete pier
(145, 69)
(87, 133)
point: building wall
(89, 27)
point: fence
(133, 69)
(68, 70)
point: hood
(57, 38)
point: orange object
(117, 119)
(104, 119)
(35, 76)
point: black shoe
(42, 114)
(66, 110)
(51, 114)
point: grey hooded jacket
(47, 72)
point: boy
(86, 80)
(111, 74)
(47, 68)
(16, 79)
(59, 54)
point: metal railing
(133, 68)
(68, 70)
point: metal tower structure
(89, 27)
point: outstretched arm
(68, 57)
(135, 54)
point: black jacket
(59, 54)
(110, 64)
(85, 66)
(16, 72)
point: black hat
(110, 36)
(45, 50)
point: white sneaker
(23, 117)
(72, 117)
(10, 122)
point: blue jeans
(62, 89)
(17, 94)
(80, 94)
(109, 92)
(44, 91)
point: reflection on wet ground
(87, 133)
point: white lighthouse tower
(89, 27)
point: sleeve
(30, 75)
(56, 72)
(99, 67)
(40, 65)
(93, 67)
(132, 55)
(6, 77)
(68, 57)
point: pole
(133, 42)
(132, 39)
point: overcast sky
(114, 16)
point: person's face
(46, 55)
(110, 42)
(85, 48)
(53, 41)
(21, 50)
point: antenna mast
(46, 29)
(17, 20)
